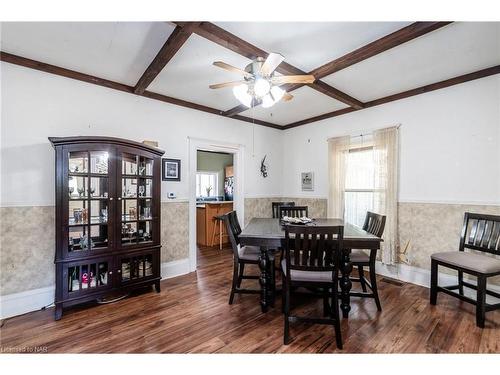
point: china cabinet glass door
(136, 199)
(88, 208)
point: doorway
(209, 187)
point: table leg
(345, 283)
(265, 279)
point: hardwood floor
(192, 315)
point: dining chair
(293, 211)
(276, 208)
(242, 255)
(480, 233)
(312, 259)
(374, 224)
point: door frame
(238, 152)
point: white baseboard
(33, 300)
(174, 268)
(27, 301)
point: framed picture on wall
(171, 170)
(307, 180)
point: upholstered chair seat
(359, 256)
(249, 252)
(309, 276)
(469, 261)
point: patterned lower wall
(27, 235)
(27, 244)
(262, 207)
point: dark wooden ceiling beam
(383, 44)
(230, 41)
(174, 42)
(374, 48)
(405, 94)
(56, 70)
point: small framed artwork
(171, 170)
(307, 179)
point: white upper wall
(37, 105)
(450, 138)
(449, 145)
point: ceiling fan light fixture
(267, 101)
(277, 93)
(241, 93)
(261, 87)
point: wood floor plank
(192, 315)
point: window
(360, 184)
(206, 184)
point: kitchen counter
(203, 205)
(206, 224)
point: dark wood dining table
(269, 235)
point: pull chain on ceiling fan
(260, 84)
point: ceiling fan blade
(287, 96)
(233, 69)
(305, 78)
(271, 63)
(226, 84)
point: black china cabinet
(107, 218)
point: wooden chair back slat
(481, 233)
(312, 248)
(233, 230)
(293, 211)
(494, 240)
(374, 223)
(276, 208)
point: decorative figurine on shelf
(132, 212)
(85, 280)
(142, 168)
(81, 191)
(104, 215)
(141, 190)
(71, 189)
(85, 215)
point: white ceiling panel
(453, 50)
(308, 45)
(190, 72)
(306, 103)
(118, 51)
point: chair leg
(434, 281)
(235, 282)
(362, 278)
(240, 276)
(286, 296)
(373, 281)
(334, 311)
(481, 301)
(461, 283)
(213, 235)
(326, 307)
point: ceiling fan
(260, 83)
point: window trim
(216, 188)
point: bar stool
(219, 230)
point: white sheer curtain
(385, 154)
(338, 149)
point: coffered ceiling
(356, 64)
